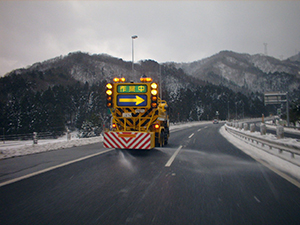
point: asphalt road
(199, 178)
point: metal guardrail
(293, 149)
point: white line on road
(199, 130)
(285, 176)
(52, 168)
(168, 164)
(256, 199)
(191, 135)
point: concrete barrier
(280, 132)
(263, 129)
(252, 127)
(246, 127)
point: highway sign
(275, 98)
(132, 100)
(279, 111)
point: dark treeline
(26, 107)
(24, 110)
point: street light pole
(133, 37)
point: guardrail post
(280, 132)
(68, 135)
(263, 129)
(298, 125)
(240, 126)
(252, 127)
(35, 138)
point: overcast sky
(179, 31)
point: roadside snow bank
(27, 149)
(19, 148)
(263, 155)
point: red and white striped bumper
(129, 140)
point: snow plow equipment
(139, 119)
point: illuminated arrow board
(129, 88)
(132, 100)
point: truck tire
(166, 139)
(162, 139)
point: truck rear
(139, 117)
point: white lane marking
(205, 127)
(191, 135)
(168, 164)
(256, 199)
(199, 130)
(52, 168)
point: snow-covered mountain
(93, 69)
(247, 73)
(239, 72)
(71, 88)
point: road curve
(199, 178)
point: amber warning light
(109, 94)
(145, 79)
(116, 79)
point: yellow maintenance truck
(139, 117)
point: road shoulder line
(51, 168)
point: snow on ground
(281, 161)
(286, 129)
(18, 148)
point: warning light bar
(116, 79)
(145, 79)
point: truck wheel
(166, 138)
(162, 139)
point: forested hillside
(69, 93)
